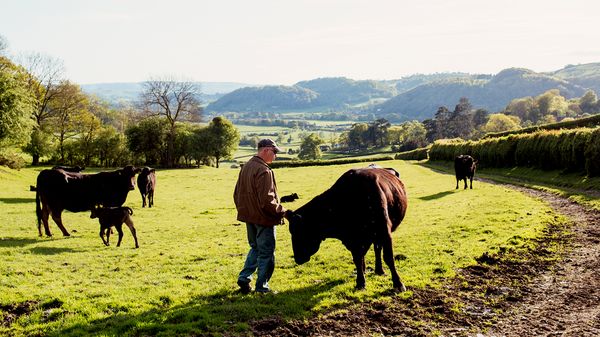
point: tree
(461, 120)
(378, 131)
(3, 45)
(44, 75)
(588, 102)
(16, 106)
(357, 136)
(309, 149)
(223, 139)
(175, 101)
(501, 122)
(147, 139)
(69, 109)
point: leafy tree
(357, 136)
(224, 139)
(588, 102)
(175, 101)
(111, 147)
(501, 122)
(378, 131)
(461, 120)
(309, 149)
(15, 106)
(525, 108)
(147, 139)
(68, 112)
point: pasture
(182, 279)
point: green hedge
(572, 150)
(416, 154)
(574, 124)
(300, 163)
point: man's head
(267, 149)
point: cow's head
(128, 173)
(306, 237)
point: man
(258, 206)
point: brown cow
(363, 207)
(146, 183)
(59, 190)
(464, 168)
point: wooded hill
(412, 97)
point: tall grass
(182, 278)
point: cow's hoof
(359, 287)
(400, 288)
(379, 272)
(66, 234)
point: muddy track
(550, 288)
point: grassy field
(182, 278)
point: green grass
(182, 279)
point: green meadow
(182, 279)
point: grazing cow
(59, 190)
(69, 168)
(146, 183)
(289, 197)
(363, 207)
(114, 216)
(464, 168)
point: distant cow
(363, 207)
(146, 183)
(464, 167)
(289, 197)
(59, 190)
(114, 216)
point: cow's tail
(38, 211)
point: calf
(289, 197)
(464, 168)
(146, 181)
(114, 216)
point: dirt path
(515, 293)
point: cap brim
(277, 149)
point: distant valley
(409, 98)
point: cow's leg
(129, 224)
(358, 255)
(143, 200)
(471, 180)
(151, 198)
(120, 230)
(57, 218)
(388, 257)
(108, 233)
(45, 214)
(102, 229)
(457, 180)
(465, 180)
(378, 266)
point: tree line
(50, 118)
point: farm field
(182, 278)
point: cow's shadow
(52, 250)
(436, 195)
(227, 308)
(16, 242)
(17, 200)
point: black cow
(289, 197)
(114, 216)
(59, 190)
(363, 207)
(146, 183)
(464, 168)
(69, 168)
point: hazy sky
(284, 41)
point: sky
(287, 41)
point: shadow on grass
(16, 242)
(17, 200)
(227, 312)
(52, 250)
(436, 196)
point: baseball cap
(268, 142)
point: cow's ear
(137, 170)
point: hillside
(585, 75)
(491, 93)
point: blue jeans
(261, 256)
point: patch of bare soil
(549, 288)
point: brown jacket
(255, 194)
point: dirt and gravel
(550, 288)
